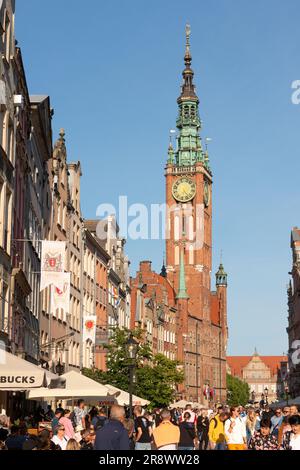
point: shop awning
(77, 386)
(16, 374)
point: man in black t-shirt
(202, 430)
(143, 430)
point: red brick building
(185, 282)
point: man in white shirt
(235, 431)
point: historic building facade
(61, 330)
(293, 328)
(201, 315)
(153, 310)
(113, 308)
(95, 261)
(264, 374)
(7, 162)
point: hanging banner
(52, 264)
(60, 298)
(89, 328)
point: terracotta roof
(237, 363)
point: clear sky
(113, 71)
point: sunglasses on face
(61, 429)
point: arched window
(176, 227)
(176, 255)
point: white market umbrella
(180, 404)
(122, 397)
(16, 374)
(77, 386)
(198, 405)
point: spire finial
(187, 35)
(188, 88)
(62, 134)
(163, 272)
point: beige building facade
(263, 374)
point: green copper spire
(171, 158)
(221, 276)
(182, 293)
(189, 149)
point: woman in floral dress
(263, 439)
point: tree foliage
(237, 391)
(157, 376)
(157, 382)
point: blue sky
(113, 71)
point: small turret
(221, 277)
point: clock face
(206, 194)
(184, 189)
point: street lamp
(59, 368)
(131, 349)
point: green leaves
(157, 376)
(237, 391)
(157, 382)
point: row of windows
(101, 295)
(5, 216)
(113, 295)
(184, 224)
(89, 263)
(169, 336)
(8, 36)
(35, 232)
(7, 135)
(75, 271)
(259, 388)
(4, 306)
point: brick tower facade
(202, 314)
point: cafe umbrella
(16, 374)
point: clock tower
(188, 197)
(202, 314)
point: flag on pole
(89, 328)
(60, 298)
(52, 264)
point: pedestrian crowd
(221, 428)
